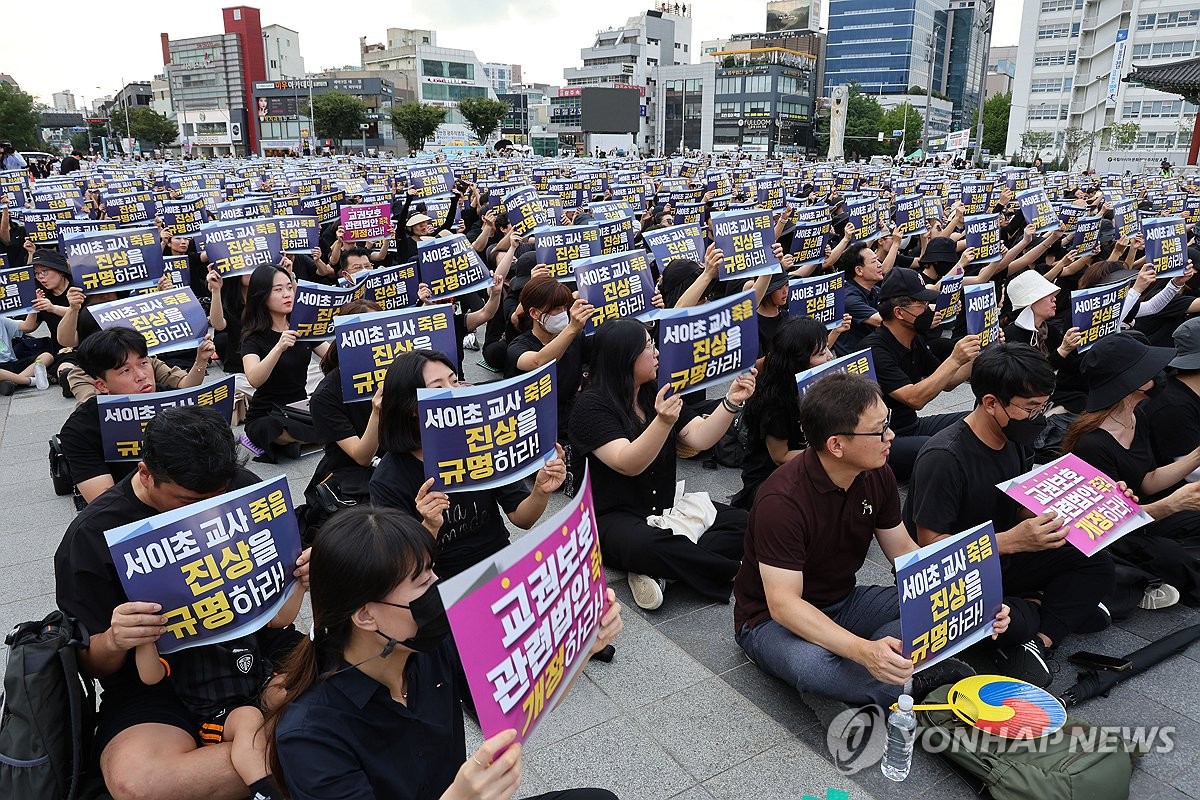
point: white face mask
(556, 323)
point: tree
(1123, 135)
(416, 122)
(995, 122)
(1034, 142)
(906, 118)
(147, 125)
(864, 121)
(338, 115)
(483, 115)
(1075, 139)
(19, 120)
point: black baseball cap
(903, 282)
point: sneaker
(1099, 620)
(291, 450)
(470, 342)
(1161, 596)
(7, 388)
(1026, 662)
(40, 378)
(647, 591)
(483, 363)
(949, 671)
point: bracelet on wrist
(730, 407)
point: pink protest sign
(368, 223)
(1093, 508)
(530, 614)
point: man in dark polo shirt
(798, 613)
(864, 272)
(909, 374)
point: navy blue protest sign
(431, 180)
(611, 209)
(808, 243)
(482, 437)
(525, 211)
(1070, 214)
(368, 343)
(130, 207)
(450, 266)
(558, 247)
(220, 568)
(983, 315)
(1037, 209)
(110, 261)
(632, 193)
(71, 227)
(976, 195)
(950, 593)
(391, 288)
(910, 215)
(1016, 179)
(123, 417)
(176, 271)
(286, 206)
(183, 217)
(248, 208)
(822, 297)
(14, 185)
(323, 206)
(864, 216)
(1097, 312)
(239, 247)
(861, 363)
(983, 236)
(41, 227)
(573, 191)
(18, 289)
(1087, 234)
(1166, 245)
(170, 320)
(770, 192)
(617, 285)
(817, 213)
(708, 344)
(616, 235)
(298, 234)
(438, 209)
(744, 238)
(676, 241)
(314, 306)
(1126, 219)
(57, 197)
(948, 305)
(691, 213)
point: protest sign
(632, 193)
(61, 197)
(910, 215)
(707, 344)
(72, 227)
(1097, 312)
(1069, 214)
(430, 180)
(983, 315)
(366, 223)
(183, 217)
(1017, 180)
(860, 363)
(220, 568)
(950, 592)
(110, 261)
(1166, 245)
(41, 227)
(864, 216)
(1087, 234)
(322, 206)
(246, 208)
(450, 266)
(18, 289)
(611, 210)
(175, 270)
(1037, 209)
(298, 234)
(983, 236)
(391, 288)
(976, 195)
(314, 307)
(558, 247)
(676, 241)
(171, 320)
(616, 235)
(948, 305)
(531, 613)
(822, 297)
(808, 243)
(239, 247)
(482, 437)
(123, 417)
(525, 211)
(14, 186)
(770, 192)
(1090, 505)
(617, 285)
(692, 213)
(745, 238)
(368, 343)
(286, 206)
(128, 208)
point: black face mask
(943, 268)
(1024, 432)
(923, 321)
(432, 624)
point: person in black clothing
(1175, 412)
(12, 238)
(628, 433)
(552, 322)
(864, 273)
(412, 228)
(70, 163)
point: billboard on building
(610, 110)
(793, 15)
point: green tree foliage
(903, 117)
(995, 122)
(1034, 142)
(147, 126)
(1123, 135)
(338, 115)
(18, 119)
(416, 122)
(483, 115)
(1075, 140)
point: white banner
(1118, 63)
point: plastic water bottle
(901, 732)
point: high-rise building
(64, 100)
(284, 110)
(1001, 71)
(503, 78)
(281, 51)
(1073, 56)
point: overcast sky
(90, 50)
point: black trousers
(1167, 549)
(1071, 585)
(708, 567)
(907, 445)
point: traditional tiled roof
(1180, 77)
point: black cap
(903, 282)
(941, 249)
(52, 259)
(778, 281)
(1117, 365)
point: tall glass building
(885, 46)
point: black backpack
(47, 712)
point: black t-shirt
(595, 423)
(953, 486)
(286, 383)
(305, 269)
(1131, 464)
(86, 582)
(334, 420)
(472, 528)
(897, 366)
(569, 371)
(84, 448)
(781, 423)
(1174, 421)
(49, 317)
(86, 326)
(766, 330)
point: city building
(529, 109)
(281, 51)
(625, 57)
(131, 95)
(412, 59)
(1001, 71)
(64, 100)
(209, 80)
(941, 113)
(765, 100)
(684, 107)
(968, 25)
(284, 118)
(503, 77)
(10, 81)
(1071, 67)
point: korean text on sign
(450, 266)
(171, 320)
(123, 417)
(983, 315)
(861, 363)
(1097, 312)
(745, 239)
(368, 343)
(109, 261)
(707, 344)
(822, 297)
(617, 285)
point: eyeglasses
(887, 426)
(1033, 413)
(41, 273)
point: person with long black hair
(371, 708)
(628, 433)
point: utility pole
(683, 116)
(929, 51)
(128, 130)
(985, 7)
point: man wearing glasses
(1054, 590)
(798, 612)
